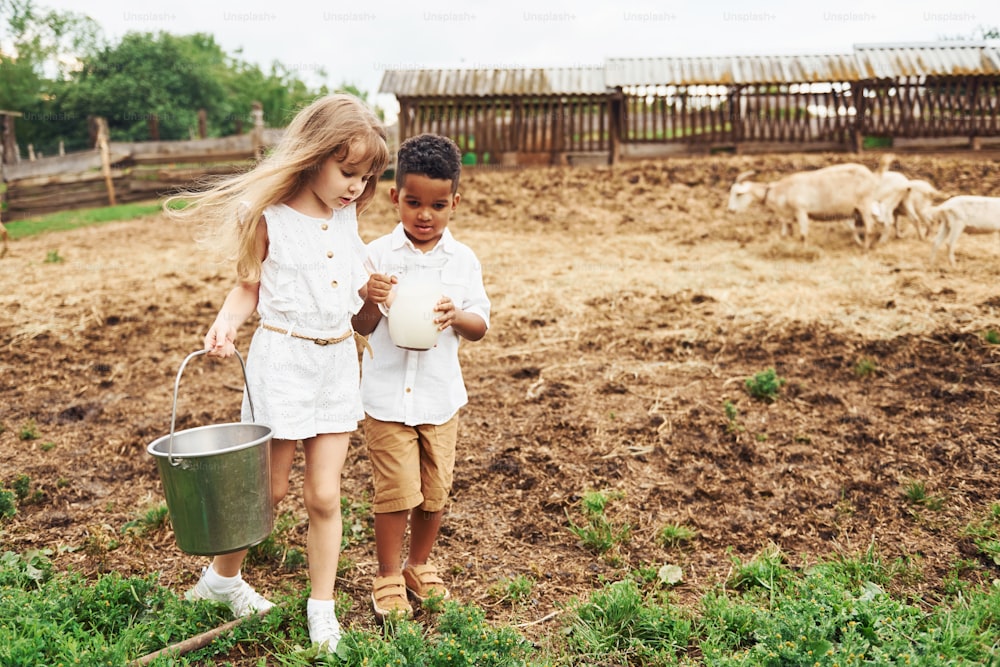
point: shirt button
(408, 390)
(324, 226)
(333, 283)
(329, 253)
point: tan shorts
(412, 466)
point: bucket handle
(177, 384)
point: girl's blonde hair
(339, 126)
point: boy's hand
(379, 287)
(448, 313)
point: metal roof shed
(510, 116)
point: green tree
(59, 72)
(148, 76)
(171, 77)
(37, 51)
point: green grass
(66, 220)
(840, 611)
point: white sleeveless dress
(309, 285)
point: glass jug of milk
(410, 306)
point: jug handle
(177, 384)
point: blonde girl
(299, 264)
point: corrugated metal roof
(490, 82)
(868, 61)
(729, 70)
(890, 61)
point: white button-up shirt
(421, 387)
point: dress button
(333, 283)
(324, 226)
(329, 253)
(408, 390)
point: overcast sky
(357, 43)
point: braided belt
(318, 341)
(323, 341)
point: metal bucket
(217, 481)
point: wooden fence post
(202, 123)
(3, 230)
(103, 135)
(257, 133)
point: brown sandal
(389, 597)
(423, 581)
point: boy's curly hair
(431, 155)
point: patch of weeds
(462, 637)
(732, 418)
(597, 533)
(991, 336)
(344, 565)
(100, 542)
(22, 488)
(954, 584)
(618, 625)
(865, 367)
(275, 550)
(515, 589)
(766, 570)
(29, 431)
(985, 533)
(152, 521)
(47, 446)
(27, 571)
(835, 613)
(645, 573)
(844, 506)
(359, 526)
(53, 257)
(8, 503)
(674, 535)
(916, 492)
(765, 385)
(58, 618)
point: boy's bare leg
(424, 527)
(390, 531)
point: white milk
(411, 316)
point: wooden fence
(662, 120)
(833, 116)
(515, 131)
(124, 172)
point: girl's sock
(319, 606)
(221, 584)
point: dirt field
(629, 307)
